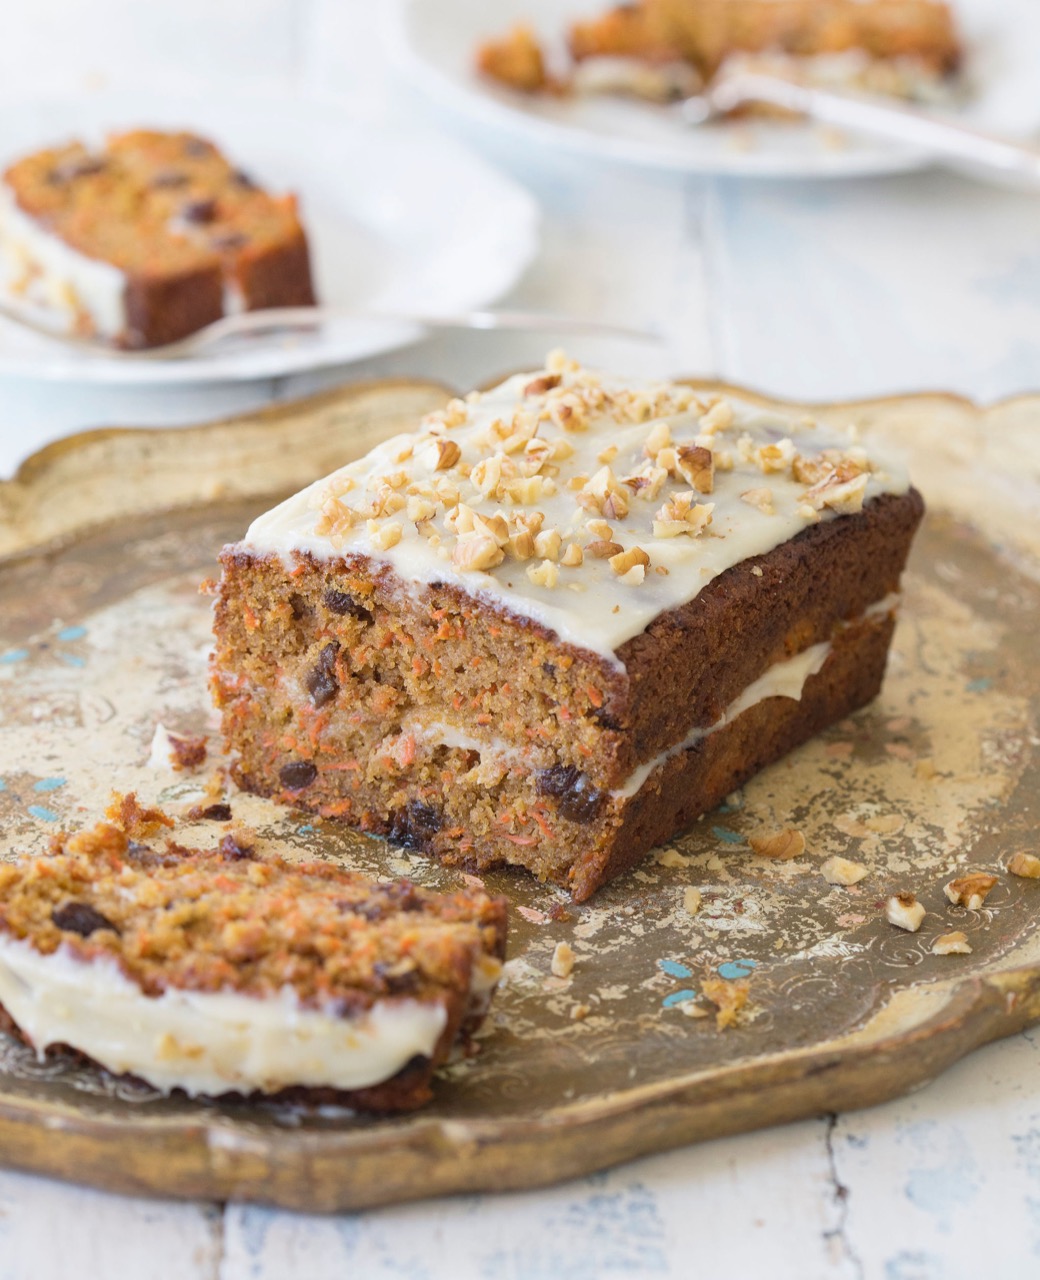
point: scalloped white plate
(387, 231)
(434, 42)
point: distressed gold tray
(103, 541)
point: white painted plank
(721, 1210)
(945, 1185)
(830, 291)
(65, 46)
(49, 1231)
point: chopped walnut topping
(1026, 865)
(600, 529)
(952, 944)
(419, 509)
(776, 457)
(682, 515)
(842, 871)
(539, 386)
(905, 912)
(335, 518)
(573, 556)
(603, 494)
(448, 454)
(562, 963)
(658, 437)
(385, 535)
(697, 467)
(602, 550)
(970, 891)
(454, 414)
(719, 417)
(608, 454)
(521, 544)
(526, 490)
(846, 499)
(545, 574)
(475, 551)
(727, 997)
(547, 544)
(625, 560)
(634, 577)
(646, 483)
(779, 845)
(761, 498)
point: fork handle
(944, 137)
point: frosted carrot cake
(559, 621)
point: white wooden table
(824, 291)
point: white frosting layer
(783, 680)
(39, 270)
(209, 1043)
(401, 504)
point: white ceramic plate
(434, 41)
(397, 222)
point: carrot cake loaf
(218, 972)
(653, 46)
(147, 239)
(560, 621)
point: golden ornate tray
(103, 541)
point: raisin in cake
(560, 621)
(215, 972)
(147, 239)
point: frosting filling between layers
(213, 1042)
(40, 271)
(431, 505)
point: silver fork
(946, 139)
(306, 319)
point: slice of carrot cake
(147, 239)
(650, 47)
(217, 972)
(561, 620)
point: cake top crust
(221, 920)
(584, 502)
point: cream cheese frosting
(41, 271)
(212, 1042)
(586, 503)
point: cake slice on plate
(661, 48)
(216, 972)
(146, 240)
(561, 620)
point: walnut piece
(448, 453)
(842, 871)
(970, 891)
(623, 561)
(727, 997)
(476, 551)
(562, 963)
(697, 467)
(1026, 865)
(905, 912)
(952, 944)
(781, 846)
